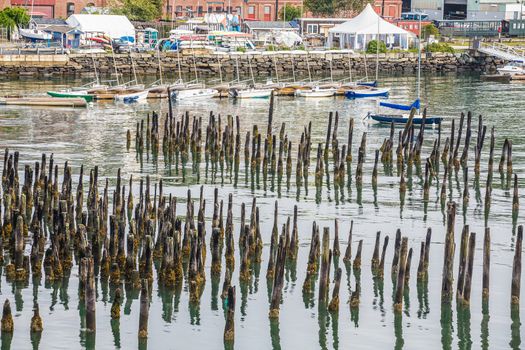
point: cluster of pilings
(119, 236)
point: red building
(53, 8)
(411, 26)
(257, 10)
(388, 9)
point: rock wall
(260, 64)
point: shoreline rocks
(262, 64)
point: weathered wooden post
(516, 268)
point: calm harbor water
(97, 136)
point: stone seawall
(262, 64)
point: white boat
(133, 96)
(191, 94)
(34, 34)
(316, 91)
(513, 68)
(250, 93)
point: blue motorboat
(372, 83)
(372, 92)
(403, 119)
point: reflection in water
(485, 326)
(96, 137)
(398, 330)
(274, 333)
(515, 342)
(446, 326)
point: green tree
(320, 7)
(334, 7)
(371, 47)
(289, 12)
(137, 10)
(428, 30)
(13, 17)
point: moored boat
(316, 92)
(191, 94)
(43, 101)
(373, 92)
(250, 93)
(404, 118)
(132, 96)
(72, 94)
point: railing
(502, 51)
(32, 51)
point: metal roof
(267, 25)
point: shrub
(439, 47)
(372, 47)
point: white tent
(358, 31)
(114, 26)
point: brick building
(388, 9)
(53, 8)
(257, 10)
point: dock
(44, 101)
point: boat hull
(402, 119)
(255, 93)
(132, 97)
(85, 96)
(195, 94)
(367, 93)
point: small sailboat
(372, 92)
(250, 93)
(194, 94)
(34, 34)
(316, 91)
(415, 117)
(72, 94)
(134, 96)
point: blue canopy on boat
(416, 104)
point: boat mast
(237, 69)
(114, 62)
(308, 66)
(251, 70)
(377, 48)
(178, 64)
(275, 66)
(349, 67)
(419, 60)
(133, 68)
(160, 65)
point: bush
(241, 49)
(372, 47)
(428, 30)
(439, 47)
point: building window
(70, 8)
(199, 10)
(267, 13)
(218, 9)
(312, 29)
(210, 9)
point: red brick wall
(178, 7)
(392, 8)
(57, 7)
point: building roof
(114, 26)
(255, 25)
(58, 29)
(49, 21)
(367, 22)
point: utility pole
(383, 8)
(276, 10)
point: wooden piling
(400, 284)
(229, 328)
(486, 264)
(516, 268)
